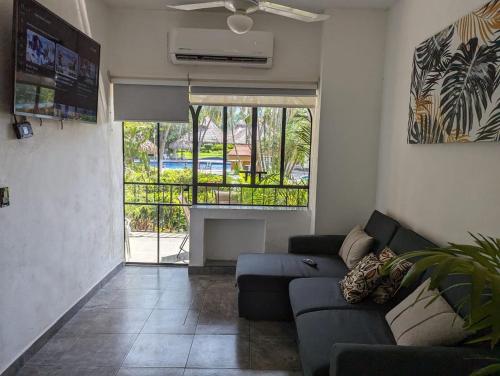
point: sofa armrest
(354, 359)
(315, 244)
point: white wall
(442, 191)
(63, 231)
(223, 237)
(139, 40)
(278, 225)
(351, 83)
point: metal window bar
(283, 146)
(253, 167)
(253, 185)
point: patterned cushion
(362, 280)
(389, 285)
(356, 245)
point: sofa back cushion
(406, 241)
(382, 228)
(456, 296)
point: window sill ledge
(250, 208)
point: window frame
(195, 113)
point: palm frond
(483, 22)
(493, 369)
(491, 130)
(433, 54)
(468, 85)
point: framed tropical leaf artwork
(455, 95)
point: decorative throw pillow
(356, 245)
(389, 285)
(361, 281)
(415, 323)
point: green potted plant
(480, 262)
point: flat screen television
(56, 66)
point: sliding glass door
(157, 161)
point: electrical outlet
(4, 197)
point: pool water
(204, 164)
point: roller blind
(151, 103)
(253, 96)
(252, 91)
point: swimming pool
(203, 164)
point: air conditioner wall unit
(221, 47)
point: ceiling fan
(241, 23)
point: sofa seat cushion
(316, 294)
(273, 272)
(318, 331)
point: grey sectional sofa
(335, 337)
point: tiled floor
(158, 321)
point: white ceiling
(310, 5)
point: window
(255, 156)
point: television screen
(56, 66)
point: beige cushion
(414, 324)
(356, 245)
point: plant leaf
(495, 288)
(491, 130)
(492, 369)
(468, 86)
(483, 22)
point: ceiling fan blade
(289, 12)
(197, 6)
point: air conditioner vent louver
(212, 58)
(221, 47)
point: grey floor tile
(224, 282)
(53, 350)
(219, 313)
(151, 372)
(172, 321)
(109, 320)
(219, 351)
(272, 329)
(175, 272)
(66, 371)
(221, 295)
(221, 323)
(145, 270)
(99, 350)
(108, 298)
(167, 306)
(137, 281)
(159, 350)
(278, 353)
(184, 283)
(182, 298)
(219, 306)
(237, 372)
